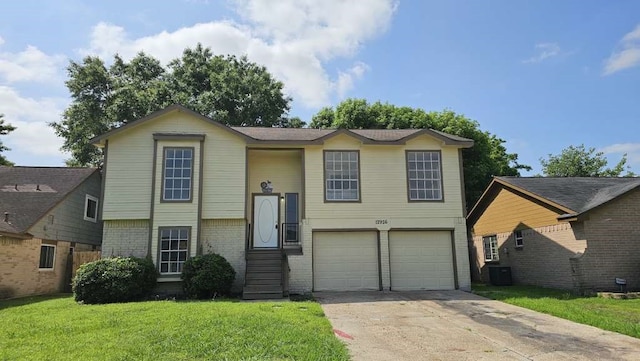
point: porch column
(384, 260)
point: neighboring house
(569, 233)
(293, 210)
(46, 213)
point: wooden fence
(80, 258)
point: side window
(490, 245)
(519, 239)
(90, 208)
(47, 257)
(291, 217)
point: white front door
(265, 221)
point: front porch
(275, 191)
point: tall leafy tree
(578, 161)
(228, 89)
(488, 156)
(4, 130)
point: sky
(540, 74)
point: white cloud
(31, 64)
(627, 55)
(632, 150)
(544, 51)
(293, 39)
(346, 79)
(30, 117)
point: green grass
(56, 328)
(622, 316)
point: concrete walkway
(455, 325)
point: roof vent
(6, 217)
(37, 187)
(16, 186)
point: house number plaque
(382, 221)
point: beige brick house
(46, 213)
(570, 233)
(293, 210)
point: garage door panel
(345, 261)
(421, 260)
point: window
(490, 245)
(423, 176)
(291, 217)
(174, 247)
(90, 209)
(519, 239)
(178, 170)
(342, 177)
(47, 256)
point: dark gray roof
(266, 135)
(576, 193)
(28, 193)
(300, 134)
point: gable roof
(28, 193)
(299, 135)
(572, 195)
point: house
(293, 210)
(46, 213)
(569, 233)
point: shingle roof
(304, 134)
(576, 193)
(266, 135)
(38, 190)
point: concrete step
(261, 292)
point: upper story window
(90, 208)
(341, 176)
(490, 245)
(519, 238)
(177, 174)
(424, 176)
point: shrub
(118, 279)
(207, 275)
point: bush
(207, 275)
(111, 280)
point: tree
(4, 130)
(228, 89)
(582, 162)
(488, 156)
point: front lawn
(56, 328)
(622, 316)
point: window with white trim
(177, 174)
(47, 256)
(519, 239)
(90, 208)
(490, 245)
(342, 176)
(423, 176)
(174, 249)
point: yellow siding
(176, 214)
(130, 162)
(282, 167)
(383, 177)
(501, 216)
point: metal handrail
(289, 229)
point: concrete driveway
(455, 325)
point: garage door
(345, 261)
(421, 260)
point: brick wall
(301, 275)
(19, 273)
(544, 260)
(125, 238)
(227, 238)
(613, 249)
